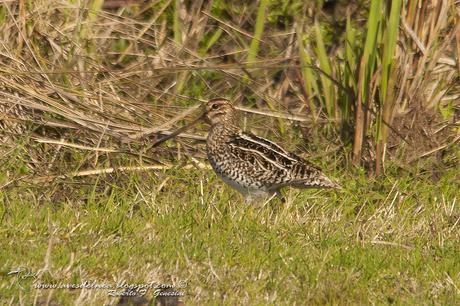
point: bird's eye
(215, 106)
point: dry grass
(98, 77)
(106, 77)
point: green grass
(395, 240)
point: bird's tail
(318, 181)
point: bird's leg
(248, 199)
(280, 196)
(272, 195)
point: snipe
(253, 165)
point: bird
(254, 166)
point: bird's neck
(223, 130)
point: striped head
(219, 111)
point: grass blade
(366, 70)
(386, 94)
(259, 29)
(328, 88)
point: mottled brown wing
(281, 167)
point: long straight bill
(177, 132)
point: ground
(389, 240)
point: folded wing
(274, 166)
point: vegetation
(368, 90)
